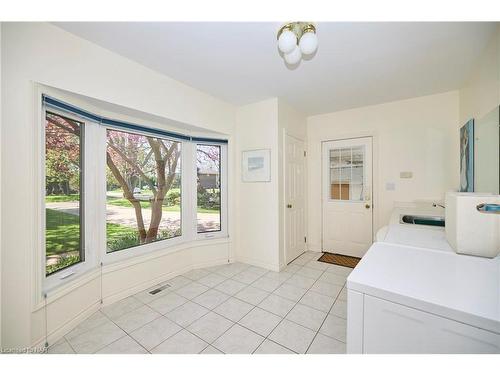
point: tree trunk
(164, 183)
(129, 196)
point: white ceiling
(356, 64)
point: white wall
(39, 52)
(260, 208)
(481, 92)
(0, 184)
(257, 206)
(418, 135)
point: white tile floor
(233, 308)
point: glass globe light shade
(287, 41)
(294, 56)
(308, 43)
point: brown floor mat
(339, 260)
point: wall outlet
(405, 174)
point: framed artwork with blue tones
(256, 166)
(467, 157)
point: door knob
(289, 206)
(367, 206)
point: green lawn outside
(62, 198)
(63, 232)
(148, 192)
(122, 202)
(125, 203)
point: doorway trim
(375, 179)
(283, 251)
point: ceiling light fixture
(296, 39)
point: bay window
(146, 189)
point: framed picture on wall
(467, 157)
(256, 166)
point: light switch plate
(390, 186)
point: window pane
(335, 175)
(143, 189)
(358, 156)
(345, 157)
(335, 158)
(340, 173)
(209, 189)
(63, 203)
(346, 173)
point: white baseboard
(258, 263)
(316, 247)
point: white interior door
(294, 198)
(347, 196)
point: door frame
(283, 261)
(375, 181)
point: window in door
(346, 173)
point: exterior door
(294, 198)
(347, 196)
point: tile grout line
(71, 346)
(209, 310)
(212, 310)
(254, 306)
(143, 304)
(126, 334)
(182, 327)
(326, 316)
(282, 318)
(232, 277)
(232, 321)
(296, 303)
(146, 304)
(323, 322)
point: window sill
(133, 259)
(74, 282)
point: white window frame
(365, 183)
(94, 193)
(223, 192)
(153, 246)
(90, 130)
